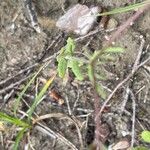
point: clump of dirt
(71, 124)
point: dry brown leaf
(121, 145)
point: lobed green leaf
(62, 67)
(76, 70)
(61, 54)
(90, 73)
(70, 47)
(146, 136)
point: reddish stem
(98, 129)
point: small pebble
(112, 23)
(79, 19)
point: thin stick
(133, 119)
(13, 85)
(89, 34)
(76, 101)
(134, 69)
(32, 14)
(137, 61)
(125, 100)
(51, 132)
(19, 73)
(120, 84)
(126, 24)
(61, 116)
(59, 136)
(68, 106)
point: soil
(23, 50)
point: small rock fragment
(124, 144)
(79, 19)
(112, 23)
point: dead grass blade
(25, 88)
(37, 100)
(62, 116)
(51, 132)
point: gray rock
(79, 19)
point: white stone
(79, 19)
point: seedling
(26, 125)
(145, 135)
(66, 60)
(16, 121)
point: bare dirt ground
(22, 52)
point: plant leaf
(13, 120)
(125, 9)
(62, 67)
(90, 73)
(76, 70)
(114, 50)
(38, 98)
(146, 136)
(66, 51)
(25, 88)
(140, 148)
(61, 54)
(18, 138)
(69, 49)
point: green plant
(13, 120)
(125, 9)
(145, 136)
(16, 121)
(38, 98)
(140, 148)
(66, 59)
(26, 125)
(25, 89)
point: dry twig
(133, 119)
(114, 36)
(61, 116)
(134, 69)
(123, 104)
(50, 132)
(32, 14)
